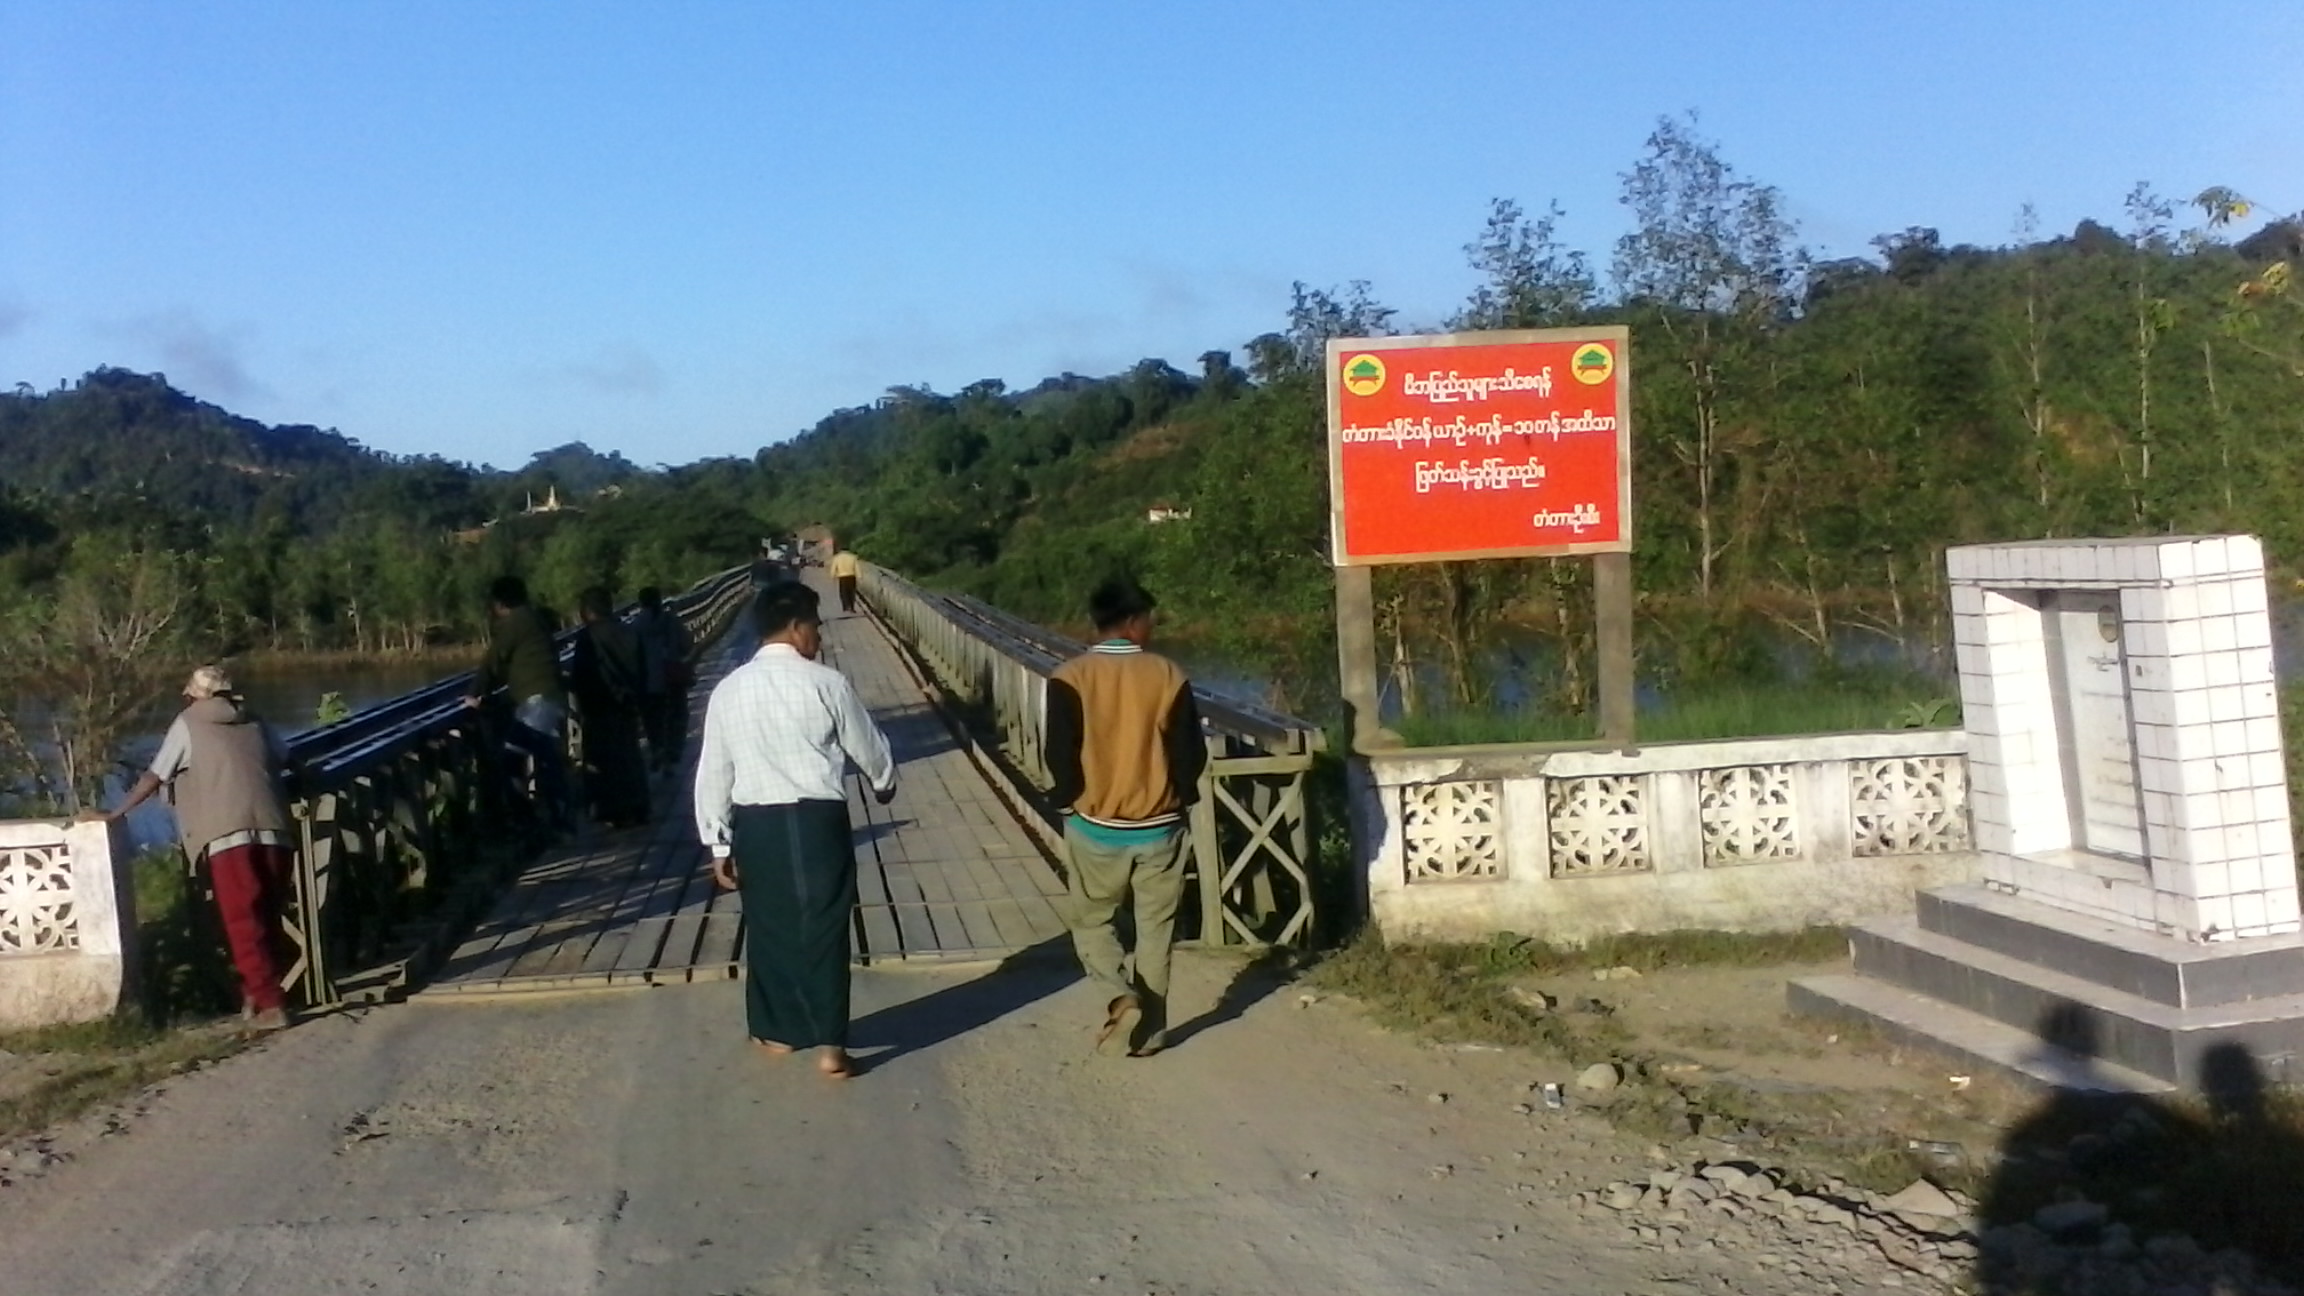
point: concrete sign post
(1506, 444)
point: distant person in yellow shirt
(844, 568)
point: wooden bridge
(945, 871)
(962, 865)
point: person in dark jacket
(665, 649)
(1125, 751)
(607, 676)
(521, 660)
(223, 770)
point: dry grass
(74, 1069)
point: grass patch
(1726, 711)
(183, 971)
(1508, 954)
(89, 1064)
(184, 979)
(1451, 992)
(1465, 991)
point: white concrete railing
(67, 922)
(1745, 834)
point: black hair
(595, 601)
(650, 597)
(782, 606)
(508, 592)
(1118, 601)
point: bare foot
(1120, 1019)
(836, 1063)
(774, 1049)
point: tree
(1316, 315)
(2149, 219)
(82, 671)
(1529, 278)
(1714, 264)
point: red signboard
(1480, 445)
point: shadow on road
(1251, 985)
(1025, 977)
(2097, 1189)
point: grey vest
(229, 783)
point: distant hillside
(117, 439)
(116, 434)
(307, 539)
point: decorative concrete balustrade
(1758, 834)
(67, 922)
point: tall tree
(1714, 264)
(1529, 278)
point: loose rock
(1600, 1077)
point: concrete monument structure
(67, 922)
(2129, 800)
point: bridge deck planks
(943, 872)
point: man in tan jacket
(223, 767)
(1126, 754)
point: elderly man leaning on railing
(223, 768)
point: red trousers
(252, 885)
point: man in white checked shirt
(778, 734)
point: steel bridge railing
(401, 808)
(1250, 829)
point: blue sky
(680, 230)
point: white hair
(208, 682)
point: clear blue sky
(686, 229)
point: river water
(287, 695)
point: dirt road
(631, 1142)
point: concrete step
(2129, 1030)
(1971, 1039)
(2181, 974)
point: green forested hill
(295, 537)
(121, 434)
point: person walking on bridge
(845, 566)
(223, 769)
(770, 806)
(665, 650)
(1125, 753)
(521, 660)
(607, 675)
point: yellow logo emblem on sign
(1593, 364)
(1363, 375)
